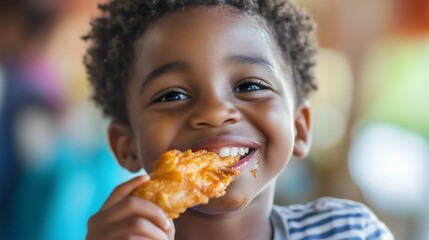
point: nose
(213, 112)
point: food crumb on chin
(253, 172)
(243, 203)
(255, 169)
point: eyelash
(174, 92)
(261, 85)
(164, 94)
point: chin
(222, 205)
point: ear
(302, 130)
(122, 145)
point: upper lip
(215, 143)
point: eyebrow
(251, 59)
(164, 69)
(181, 65)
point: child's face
(207, 79)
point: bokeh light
(390, 165)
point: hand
(127, 217)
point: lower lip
(240, 165)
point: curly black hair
(109, 58)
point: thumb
(123, 191)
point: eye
(170, 95)
(250, 85)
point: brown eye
(251, 85)
(170, 96)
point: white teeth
(241, 151)
(224, 152)
(233, 151)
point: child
(215, 75)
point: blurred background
(370, 125)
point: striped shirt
(327, 218)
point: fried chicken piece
(181, 180)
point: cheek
(155, 138)
(279, 134)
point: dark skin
(205, 78)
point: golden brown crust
(181, 180)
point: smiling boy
(219, 76)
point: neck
(250, 222)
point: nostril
(214, 117)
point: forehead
(214, 31)
(214, 20)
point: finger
(137, 207)
(171, 231)
(124, 190)
(138, 227)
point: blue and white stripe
(328, 218)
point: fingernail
(167, 224)
(144, 178)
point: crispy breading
(181, 180)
